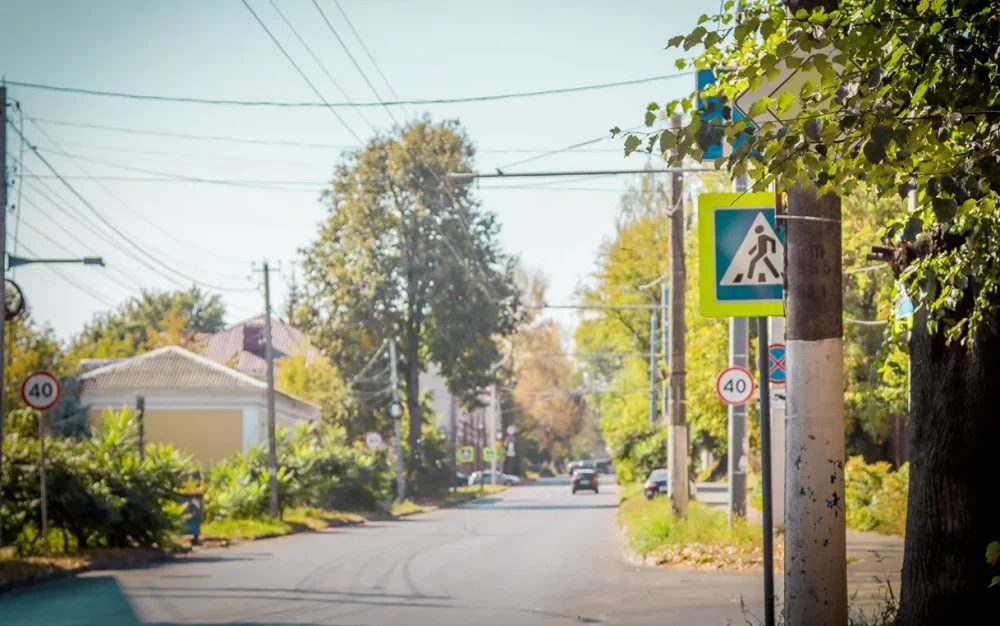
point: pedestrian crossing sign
(489, 454)
(741, 255)
(466, 454)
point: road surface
(530, 555)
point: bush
(641, 452)
(876, 496)
(100, 494)
(317, 471)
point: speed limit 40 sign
(41, 390)
(735, 385)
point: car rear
(584, 479)
(656, 483)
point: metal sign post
(41, 390)
(764, 357)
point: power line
(301, 73)
(321, 65)
(124, 205)
(561, 150)
(370, 57)
(467, 176)
(413, 102)
(118, 232)
(245, 184)
(355, 62)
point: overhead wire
(76, 161)
(574, 146)
(355, 62)
(321, 65)
(361, 41)
(286, 104)
(300, 72)
(125, 237)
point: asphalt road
(531, 555)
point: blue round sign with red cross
(776, 363)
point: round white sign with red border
(735, 385)
(41, 390)
(373, 439)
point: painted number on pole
(735, 385)
(776, 363)
(466, 454)
(489, 454)
(40, 390)
(373, 440)
(741, 254)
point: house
(192, 402)
(242, 346)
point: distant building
(242, 346)
(194, 403)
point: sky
(215, 232)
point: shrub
(876, 496)
(100, 494)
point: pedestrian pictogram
(466, 454)
(489, 454)
(735, 385)
(758, 259)
(373, 440)
(41, 390)
(741, 255)
(777, 370)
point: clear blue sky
(426, 48)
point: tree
(407, 253)
(899, 96)
(153, 318)
(319, 382)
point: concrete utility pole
(777, 333)
(739, 441)
(397, 420)
(677, 454)
(272, 442)
(815, 530)
(3, 251)
(652, 368)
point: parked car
(605, 466)
(486, 478)
(461, 479)
(656, 483)
(584, 478)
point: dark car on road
(575, 466)
(584, 478)
(656, 483)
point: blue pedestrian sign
(710, 109)
(741, 255)
(776, 367)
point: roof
(172, 368)
(242, 346)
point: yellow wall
(209, 435)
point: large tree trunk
(954, 509)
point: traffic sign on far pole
(373, 439)
(776, 363)
(489, 454)
(741, 255)
(735, 385)
(40, 390)
(466, 454)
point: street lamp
(17, 261)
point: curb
(122, 562)
(631, 556)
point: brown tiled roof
(171, 367)
(242, 346)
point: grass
(299, 519)
(702, 539)
(406, 507)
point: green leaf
(711, 39)
(668, 141)
(875, 150)
(675, 41)
(944, 209)
(995, 581)
(741, 33)
(695, 37)
(614, 131)
(767, 28)
(759, 106)
(652, 106)
(650, 118)
(918, 93)
(801, 14)
(785, 100)
(680, 64)
(631, 143)
(703, 19)
(993, 552)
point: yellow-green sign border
(472, 456)
(489, 449)
(708, 305)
